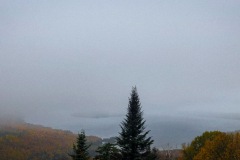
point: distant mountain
(24, 141)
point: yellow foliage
(223, 146)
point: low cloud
(96, 115)
(229, 116)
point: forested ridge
(24, 141)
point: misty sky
(72, 64)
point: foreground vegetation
(132, 143)
(213, 146)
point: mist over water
(71, 65)
(165, 129)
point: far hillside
(23, 141)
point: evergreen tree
(133, 140)
(152, 155)
(80, 148)
(108, 151)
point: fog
(71, 65)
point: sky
(72, 64)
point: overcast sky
(73, 63)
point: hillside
(23, 141)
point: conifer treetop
(133, 139)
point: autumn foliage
(213, 146)
(24, 141)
